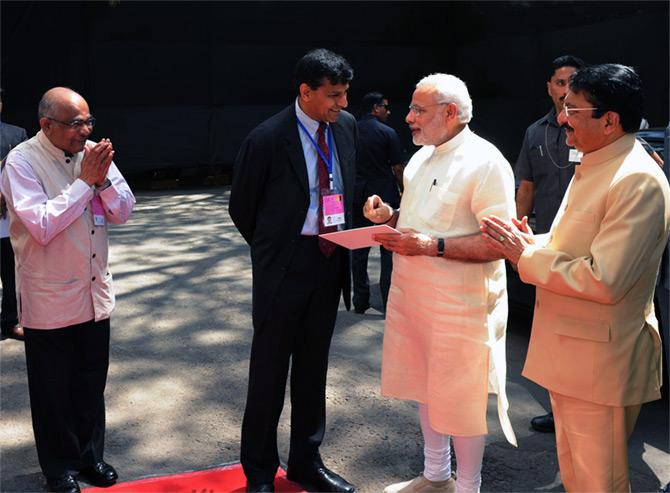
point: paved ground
(180, 343)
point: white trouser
(437, 456)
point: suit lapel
(294, 148)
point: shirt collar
(550, 118)
(310, 124)
(619, 146)
(454, 142)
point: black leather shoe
(67, 483)
(361, 309)
(543, 424)
(320, 479)
(260, 487)
(100, 474)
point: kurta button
(93, 278)
(67, 161)
(93, 231)
(93, 256)
(537, 304)
(578, 176)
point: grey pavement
(181, 334)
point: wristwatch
(106, 184)
(440, 247)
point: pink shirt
(62, 275)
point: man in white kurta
(62, 191)
(444, 340)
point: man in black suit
(294, 175)
(378, 172)
(10, 136)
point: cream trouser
(437, 456)
(592, 444)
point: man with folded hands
(62, 190)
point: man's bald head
(56, 99)
(65, 119)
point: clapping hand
(508, 238)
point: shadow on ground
(177, 383)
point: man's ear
(45, 125)
(451, 111)
(305, 91)
(612, 121)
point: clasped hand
(96, 162)
(508, 238)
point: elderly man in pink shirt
(62, 191)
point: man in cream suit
(595, 343)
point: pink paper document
(359, 237)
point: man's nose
(561, 118)
(342, 101)
(410, 117)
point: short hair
(46, 107)
(611, 87)
(370, 100)
(565, 61)
(320, 64)
(450, 89)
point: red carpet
(225, 479)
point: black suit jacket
(270, 197)
(10, 137)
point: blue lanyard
(327, 160)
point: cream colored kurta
(444, 341)
(595, 336)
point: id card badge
(575, 156)
(333, 208)
(98, 211)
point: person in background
(545, 167)
(10, 136)
(378, 172)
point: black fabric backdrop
(179, 84)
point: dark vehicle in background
(655, 137)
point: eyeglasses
(383, 105)
(76, 124)
(567, 110)
(418, 110)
